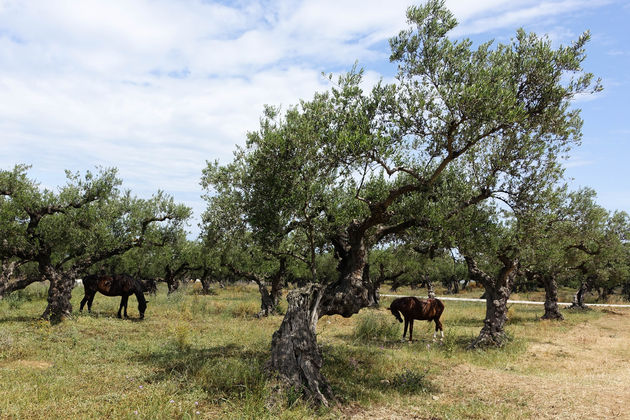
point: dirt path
(583, 373)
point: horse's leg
(122, 299)
(411, 330)
(405, 331)
(126, 302)
(83, 302)
(90, 300)
(438, 324)
(123, 303)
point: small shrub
(181, 338)
(372, 326)
(449, 343)
(411, 382)
(245, 310)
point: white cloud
(157, 87)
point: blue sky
(156, 88)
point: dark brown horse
(413, 308)
(118, 285)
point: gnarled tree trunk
(551, 298)
(497, 294)
(578, 298)
(294, 354)
(295, 357)
(59, 295)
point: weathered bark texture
(578, 298)
(59, 295)
(430, 290)
(295, 357)
(294, 353)
(552, 311)
(268, 299)
(10, 281)
(497, 293)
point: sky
(156, 88)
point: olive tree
(353, 163)
(61, 234)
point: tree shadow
(20, 318)
(193, 363)
(356, 373)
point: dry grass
(207, 355)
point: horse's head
(142, 306)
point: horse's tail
(394, 309)
(439, 308)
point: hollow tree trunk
(295, 357)
(551, 299)
(59, 295)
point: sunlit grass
(204, 356)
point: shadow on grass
(358, 373)
(21, 318)
(224, 372)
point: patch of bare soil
(582, 373)
(33, 364)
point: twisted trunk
(295, 357)
(294, 354)
(59, 294)
(497, 293)
(552, 310)
(268, 299)
(578, 298)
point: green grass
(204, 356)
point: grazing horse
(414, 308)
(118, 285)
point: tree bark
(578, 298)
(295, 357)
(59, 295)
(552, 310)
(268, 301)
(497, 293)
(294, 353)
(10, 282)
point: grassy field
(198, 356)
